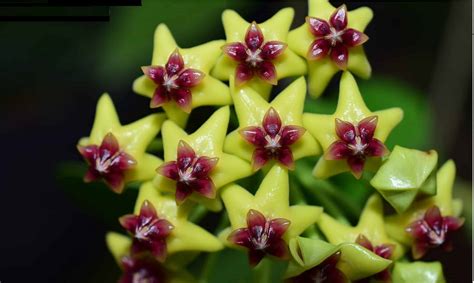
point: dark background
(52, 74)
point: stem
(262, 272)
(198, 214)
(297, 197)
(308, 183)
(212, 258)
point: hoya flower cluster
(203, 170)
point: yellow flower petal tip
(209, 91)
(206, 142)
(133, 139)
(271, 200)
(254, 111)
(351, 108)
(418, 271)
(396, 224)
(321, 70)
(265, 69)
(371, 225)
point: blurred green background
(52, 73)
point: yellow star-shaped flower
(185, 236)
(274, 29)
(350, 108)
(371, 225)
(251, 109)
(207, 141)
(209, 91)
(321, 71)
(396, 224)
(133, 138)
(272, 200)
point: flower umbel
(325, 272)
(262, 236)
(272, 140)
(107, 161)
(333, 37)
(356, 143)
(384, 250)
(148, 230)
(140, 270)
(254, 56)
(432, 231)
(173, 82)
(191, 173)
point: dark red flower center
(142, 270)
(255, 56)
(262, 236)
(356, 143)
(191, 173)
(384, 251)
(325, 272)
(148, 230)
(107, 161)
(333, 38)
(432, 231)
(272, 140)
(173, 82)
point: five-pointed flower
(204, 165)
(262, 236)
(383, 250)
(191, 173)
(184, 236)
(333, 37)
(433, 231)
(371, 225)
(264, 223)
(184, 79)
(173, 82)
(397, 223)
(336, 32)
(148, 230)
(258, 49)
(350, 108)
(325, 272)
(116, 152)
(270, 130)
(272, 140)
(107, 161)
(355, 144)
(255, 56)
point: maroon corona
(148, 230)
(173, 82)
(141, 270)
(191, 173)
(356, 143)
(254, 56)
(333, 38)
(107, 161)
(325, 272)
(433, 231)
(262, 236)
(384, 251)
(272, 140)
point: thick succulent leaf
(405, 173)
